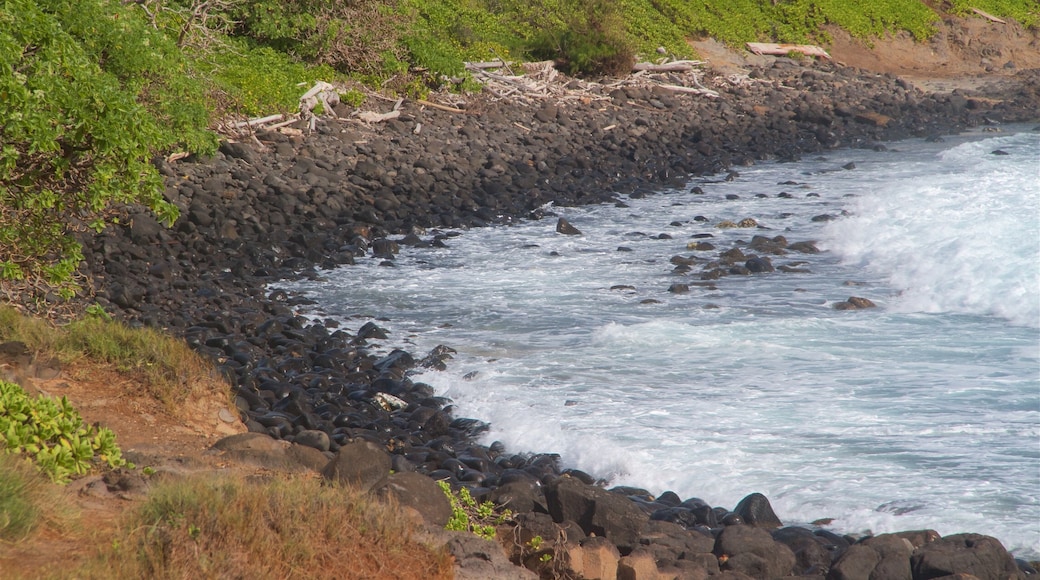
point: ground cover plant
(51, 433)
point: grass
(19, 510)
(28, 500)
(171, 371)
(224, 527)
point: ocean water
(921, 413)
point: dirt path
(966, 54)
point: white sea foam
(963, 238)
(922, 413)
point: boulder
(598, 511)
(756, 511)
(419, 492)
(360, 464)
(752, 551)
(480, 559)
(813, 554)
(596, 558)
(564, 227)
(639, 565)
(981, 556)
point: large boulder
(981, 556)
(756, 511)
(420, 493)
(598, 511)
(880, 557)
(752, 551)
(360, 464)
(813, 554)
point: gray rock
(981, 556)
(361, 464)
(564, 227)
(752, 551)
(313, 438)
(420, 493)
(756, 511)
(598, 511)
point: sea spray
(921, 413)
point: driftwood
(372, 117)
(785, 49)
(259, 121)
(691, 90)
(487, 64)
(988, 16)
(541, 80)
(439, 106)
(674, 66)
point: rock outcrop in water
(292, 206)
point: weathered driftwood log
(988, 16)
(439, 106)
(373, 117)
(784, 49)
(674, 66)
(259, 121)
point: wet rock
(564, 227)
(756, 511)
(759, 265)
(854, 303)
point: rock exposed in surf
(564, 227)
(756, 511)
(854, 303)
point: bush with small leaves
(469, 516)
(89, 93)
(52, 433)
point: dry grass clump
(172, 372)
(225, 527)
(28, 500)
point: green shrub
(88, 93)
(469, 516)
(53, 435)
(259, 80)
(584, 36)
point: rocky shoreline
(285, 206)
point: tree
(89, 93)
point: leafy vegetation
(469, 516)
(224, 527)
(88, 94)
(52, 433)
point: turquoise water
(921, 413)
